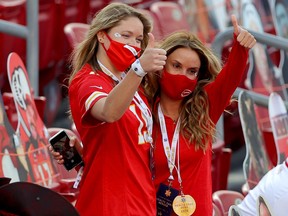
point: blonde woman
(111, 113)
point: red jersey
(195, 166)
(116, 178)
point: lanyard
(109, 73)
(170, 152)
(147, 115)
(139, 103)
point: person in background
(107, 93)
(272, 189)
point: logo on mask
(177, 86)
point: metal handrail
(31, 34)
(264, 38)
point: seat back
(170, 15)
(47, 35)
(95, 6)
(157, 31)
(75, 32)
(216, 211)
(223, 199)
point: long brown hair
(196, 124)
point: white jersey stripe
(92, 97)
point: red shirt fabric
(117, 178)
(195, 166)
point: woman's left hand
(245, 38)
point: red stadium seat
(67, 11)
(11, 109)
(75, 32)
(170, 16)
(216, 211)
(95, 6)
(47, 35)
(12, 11)
(223, 199)
(157, 31)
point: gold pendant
(184, 205)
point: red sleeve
(85, 90)
(221, 90)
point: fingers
(72, 141)
(56, 155)
(75, 142)
(153, 59)
(246, 39)
(236, 27)
(60, 161)
(151, 42)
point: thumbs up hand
(245, 38)
(151, 41)
(153, 59)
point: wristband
(137, 68)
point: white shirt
(273, 187)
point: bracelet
(137, 68)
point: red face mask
(176, 86)
(121, 55)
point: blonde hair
(196, 124)
(104, 20)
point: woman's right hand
(56, 155)
(153, 59)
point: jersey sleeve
(85, 90)
(221, 90)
